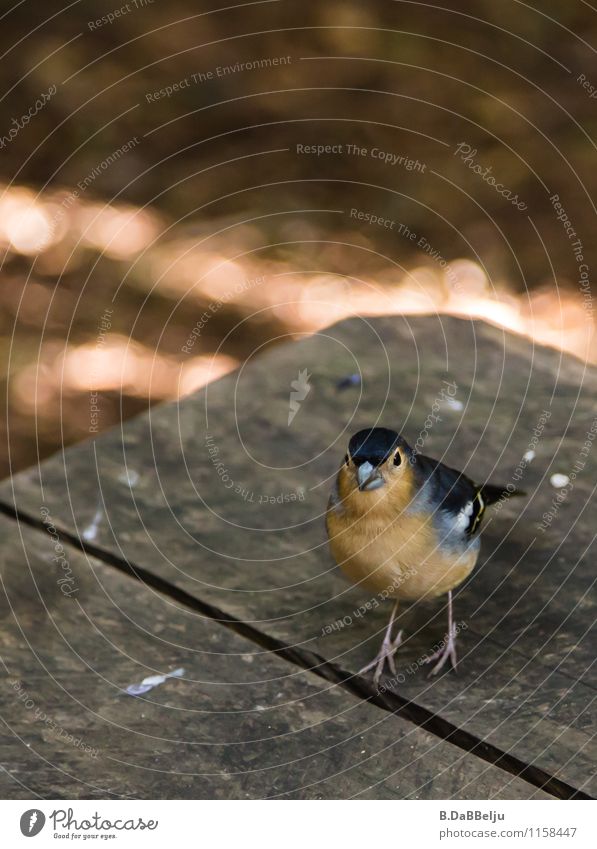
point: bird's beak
(369, 477)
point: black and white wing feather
(452, 494)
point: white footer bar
(288, 824)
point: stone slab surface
(240, 723)
(219, 495)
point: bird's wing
(452, 493)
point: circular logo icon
(32, 822)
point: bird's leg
(448, 650)
(387, 651)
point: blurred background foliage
(110, 257)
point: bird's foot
(446, 652)
(388, 649)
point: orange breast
(397, 555)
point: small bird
(405, 525)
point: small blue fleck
(347, 382)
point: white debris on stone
(528, 456)
(152, 681)
(129, 477)
(453, 403)
(558, 481)
(90, 531)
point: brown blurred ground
(219, 156)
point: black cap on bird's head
(371, 448)
(373, 445)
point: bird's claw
(386, 654)
(445, 653)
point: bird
(406, 526)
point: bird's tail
(492, 493)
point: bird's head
(377, 458)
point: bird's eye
(397, 458)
